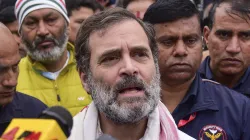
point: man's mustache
(40, 40)
(129, 82)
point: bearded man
(49, 71)
(116, 56)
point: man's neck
(173, 94)
(123, 131)
(228, 80)
(58, 64)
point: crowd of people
(132, 69)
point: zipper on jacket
(58, 98)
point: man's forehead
(228, 20)
(9, 59)
(7, 41)
(120, 28)
(7, 52)
(128, 31)
(120, 47)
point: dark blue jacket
(210, 110)
(243, 85)
(22, 106)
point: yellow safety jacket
(66, 90)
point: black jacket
(22, 106)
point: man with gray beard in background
(49, 71)
(116, 56)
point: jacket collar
(199, 96)
(204, 101)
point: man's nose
(234, 46)
(128, 67)
(42, 29)
(180, 49)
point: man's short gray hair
(101, 22)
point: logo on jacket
(212, 132)
(80, 98)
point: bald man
(13, 104)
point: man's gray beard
(105, 99)
(48, 56)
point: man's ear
(83, 78)
(206, 32)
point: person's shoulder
(78, 126)
(24, 61)
(29, 101)
(79, 117)
(247, 75)
(29, 106)
(223, 93)
(24, 64)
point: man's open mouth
(130, 89)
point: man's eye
(30, 24)
(51, 20)
(245, 36)
(223, 35)
(79, 21)
(3, 70)
(191, 41)
(140, 55)
(167, 43)
(109, 60)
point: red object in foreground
(184, 122)
(11, 134)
